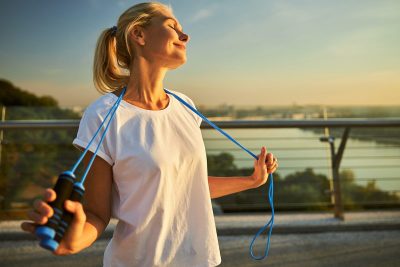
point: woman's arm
(222, 186)
(96, 205)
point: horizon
(282, 53)
(243, 106)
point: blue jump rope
(67, 187)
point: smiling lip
(180, 46)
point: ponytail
(107, 74)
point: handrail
(234, 124)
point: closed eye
(175, 23)
(174, 27)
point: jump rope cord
(271, 183)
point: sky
(243, 53)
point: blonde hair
(113, 55)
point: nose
(184, 37)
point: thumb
(74, 231)
(263, 156)
(77, 210)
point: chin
(177, 63)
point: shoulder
(100, 106)
(187, 99)
(183, 96)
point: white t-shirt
(160, 190)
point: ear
(137, 35)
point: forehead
(166, 15)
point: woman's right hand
(42, 211)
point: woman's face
(164, 42)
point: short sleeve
(196, 116)
(89, 124)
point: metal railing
(335, 155)
(234, 124)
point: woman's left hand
(265, 165)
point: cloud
(203, 14)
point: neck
(145, 85)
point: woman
(150, 172)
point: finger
(274, 165)
(270, 159)
(263, 156)
(75, 229)
(36, 217)
(49, 195)
(28, 227)
(272, 169)
(77, 209)
(43, 208)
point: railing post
(3, 118)
(336, 158)
(337, 194)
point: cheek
(162, 39)
(159, 46)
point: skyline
(261, 53)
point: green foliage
(304, 187)
(32, 158)
(356, 196)
(221, 165)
